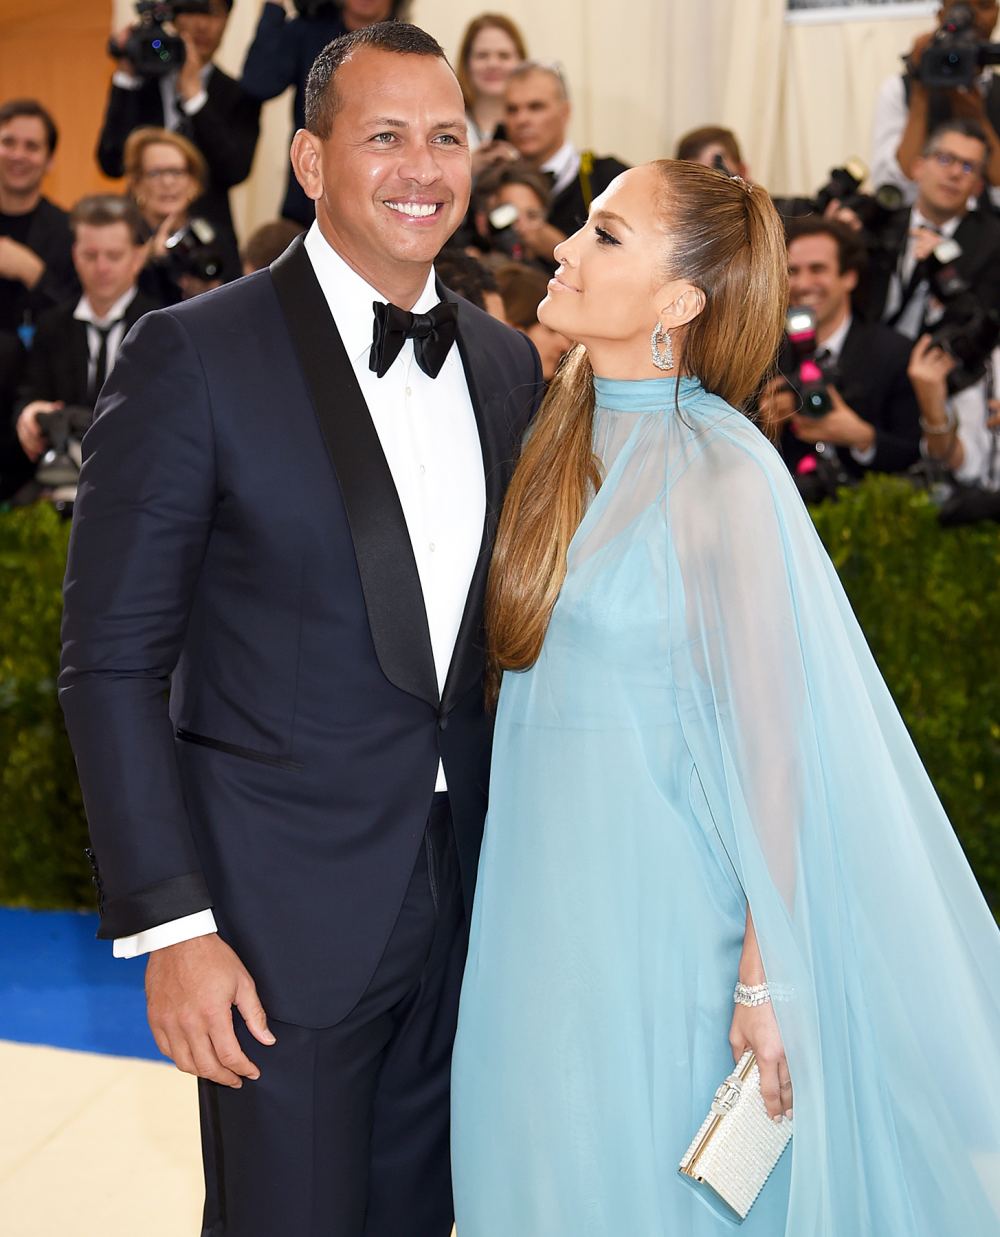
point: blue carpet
(59, 986)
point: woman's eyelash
(605, 238)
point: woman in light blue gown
(699, 777)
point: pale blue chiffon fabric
(706, 725)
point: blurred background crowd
(890, 362)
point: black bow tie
(433, 335)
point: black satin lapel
(467, 660)
(389, 579)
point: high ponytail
(726, 238)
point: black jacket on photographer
(978, 236)
(63, 361)
(872, 380)
(224, 128)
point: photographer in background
(709, 144)
(907, 111)
(289, 37)
(197, 101)
(961, 430)
(77, 342)
(536, 117)
(510, 206)
(873, 424)
(35, 266)
(903, 290)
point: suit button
(442, 723)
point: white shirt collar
(563, 165)
(351, 297)
(949, 228)
(835, 342)
(84, 311)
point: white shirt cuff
(201, 923)
(865, 457)
(126, 81)
(192, 106)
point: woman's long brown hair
(726, 238)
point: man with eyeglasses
(947, 175)
(200, 102)
(907, 111)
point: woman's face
(491, 58)
(166, 186)
(609, 277)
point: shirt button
(409, 391)
(432, 547)
(423, 469)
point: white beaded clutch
(738, 1144)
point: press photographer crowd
(891, 361)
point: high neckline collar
(644, 394)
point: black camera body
(874, 210)
(968, 330)
(810, 379)
(191, 250)
(956, 55)
(152, 49)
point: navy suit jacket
(238, 539)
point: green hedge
(928, 600)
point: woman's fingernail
(777, 1120)
(788, 1115)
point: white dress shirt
(429, 435)
(564, 167)
(84, 312)
(912, 320)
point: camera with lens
(809, 377)
(192, 250)
(967, 329)
(874, 210)
(59, 468)
(153, 48)
(956, 55)
(503, 236)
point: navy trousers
(346, 1132)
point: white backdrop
(799, 96)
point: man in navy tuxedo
(285, 515)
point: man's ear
(307, 163)
(680, 303)
(851, 278)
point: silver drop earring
(663, 357)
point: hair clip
(743, 184)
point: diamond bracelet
(751, 994)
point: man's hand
(924, 243)
(929, 367)
(993, 421)
(491, 155)
(840, 213)
(777, 404)
(190, 991)
(120, 38)
(841, 427)
(189, 83)
(29, 435)
(538, 237)
(19, 262)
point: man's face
(537, 116)
(107, 261)
(391, 182)
(205, 30)
(815, 279)
(984, 12)
(24, 154)
(949, 175)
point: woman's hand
(756, 1028)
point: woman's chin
(552, 315)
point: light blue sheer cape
(706, 725)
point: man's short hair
(101, 210)
(527, 68)
(851, 253)
(465, 275)
(322, 100)
(14, 108)
(964, 128)
(268, 242)
(494, 179)
(690, 146)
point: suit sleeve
(143, 517)
(897, 435)
(225, 130)
(270, 65)
(123, 114)
(38, 381)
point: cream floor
(95, 1146)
